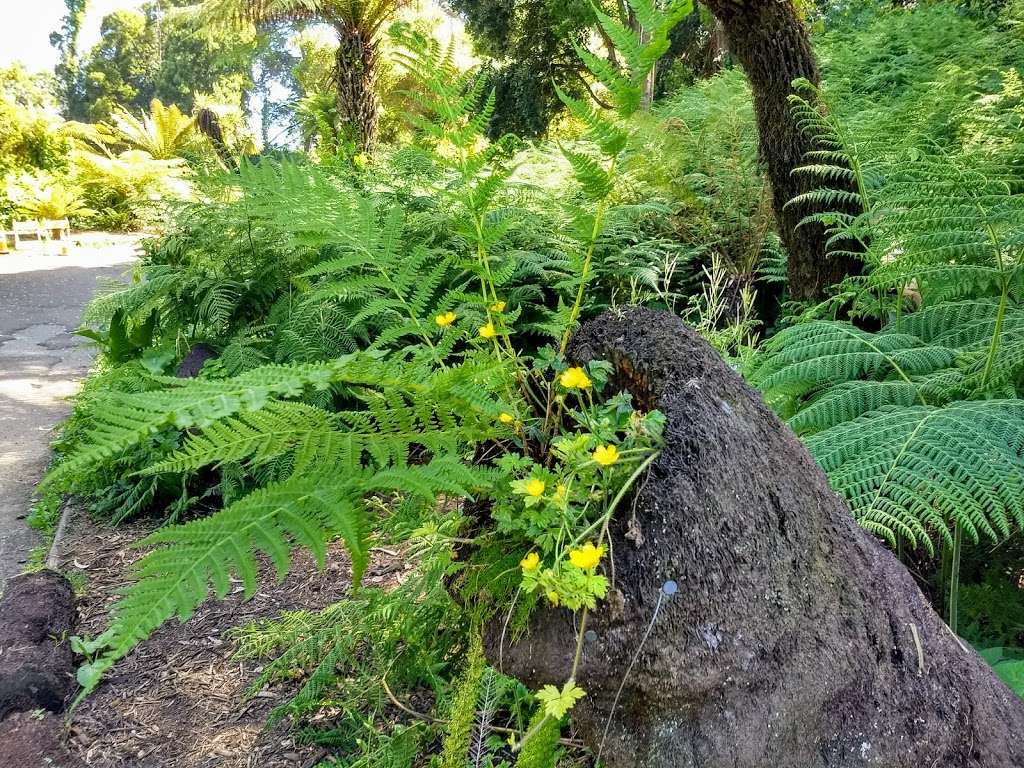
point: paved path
(41, 299)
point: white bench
(62, 227)
(44, 231)
(22, 229)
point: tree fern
(808, 358)
(910, 431)
(957, 229)
(912, 423)
(845, 170)
(917, 470)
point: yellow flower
(498, 306)
(487, 331)
(606, 455)
(530, 562)
(587, 556)
(534, 487)
(574, 378)
(445, 319)
(560, 492)
(506, 418)
(553, 597)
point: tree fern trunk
(794, 639)
(209, 125)
(355, 75)
(772, 44)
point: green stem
(594, 233)
(579, 646)
(954, 578)
(607, 516)
(899, 306)
(997, 331)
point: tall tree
(158, 51)
(358, 24)
(28, 119)
(65, 40)
(771, 42)
(121, 68)
(530, 46)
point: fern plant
(845, 170)
(918, 424)
(425, 389)
(337, 461)
(595, 168)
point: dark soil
(34, 740)
(37, 616)
(180, 699)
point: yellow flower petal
(574, 378)
(606, 455)
(487, 331)
(445, 319)
(587, 556)
(535, 487)
(498, 306)
(530, 562)
(506, 418)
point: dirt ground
(180, 699)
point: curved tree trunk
(772, 44)
(355, 74)
(795, 639)
(208, 124)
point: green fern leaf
(916, 471)
(190, 559)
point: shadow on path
(41, 364)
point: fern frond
(808, 356)
(190, 560)
(124, 420)
(255, 436)
(918, 470)
(604, 132)
(850, 399)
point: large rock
(795, 639)
(193, 362)
(37, 617)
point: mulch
(181, 699)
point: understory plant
(378, 354)
(371, 351)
